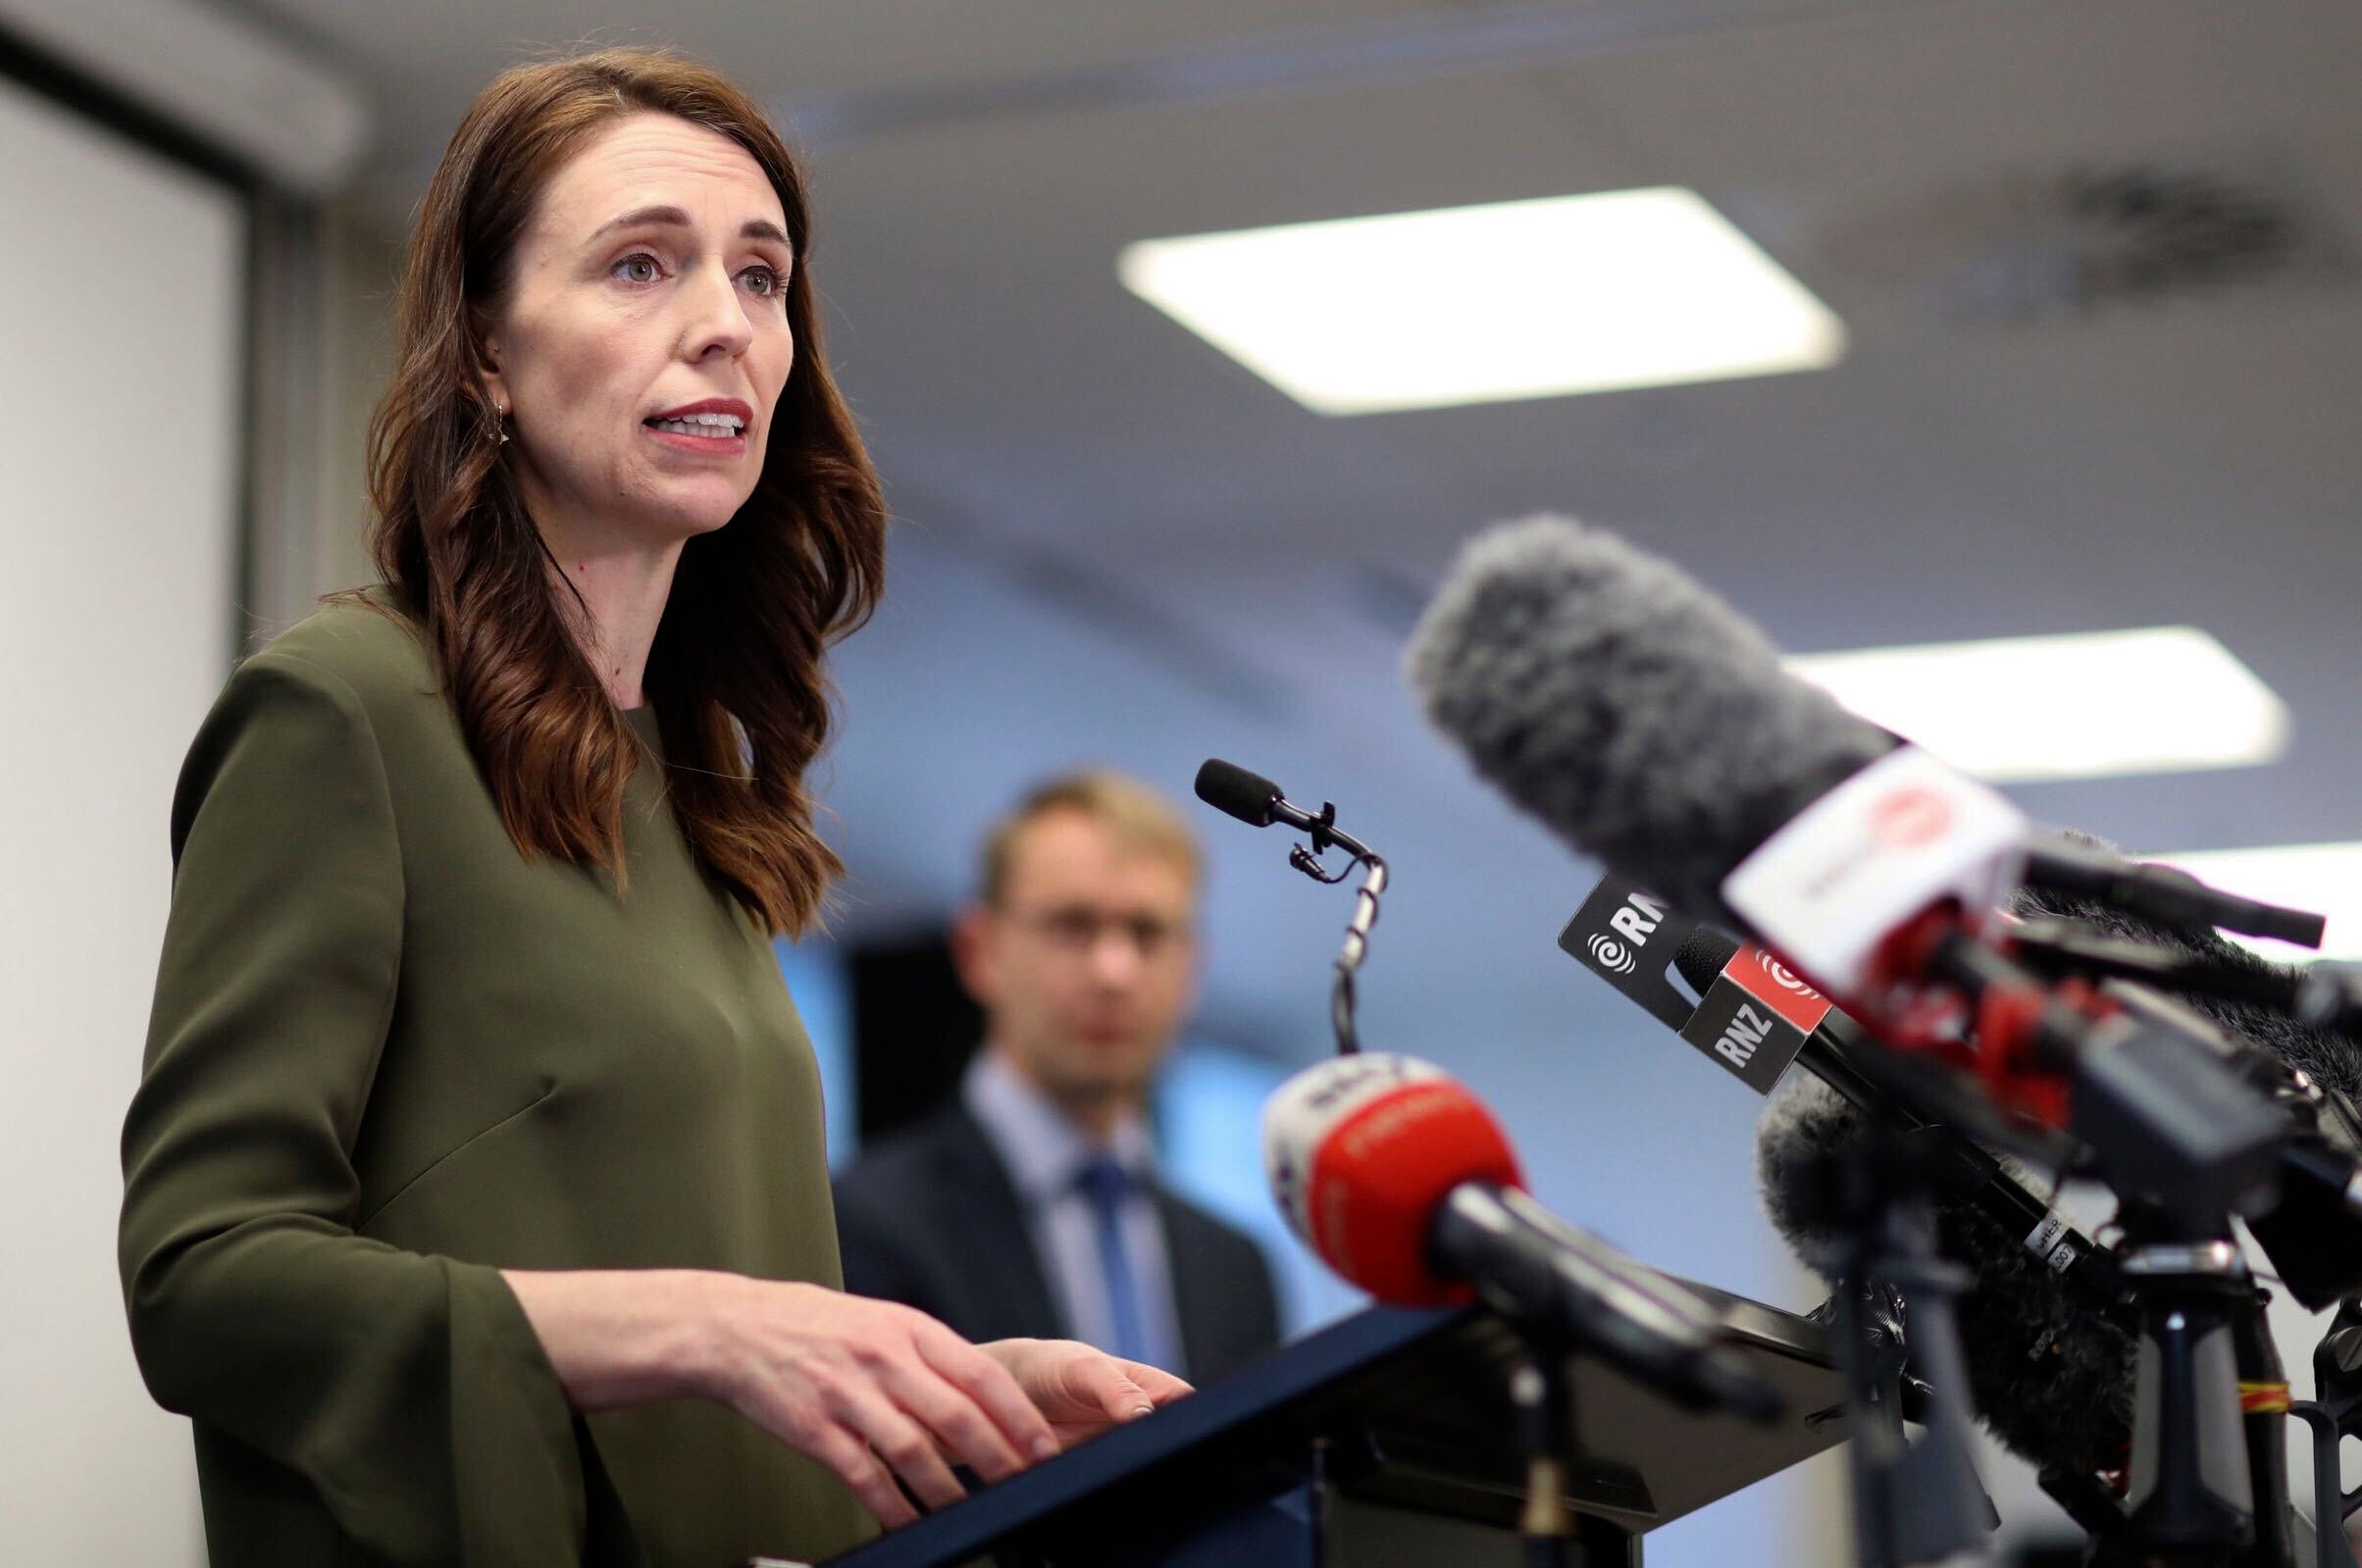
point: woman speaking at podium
(475, 1194)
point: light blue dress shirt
(1044, 1154)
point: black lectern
(1387, 1441)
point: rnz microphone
(1836, 1054)
(1395, 1175)
(2049, 1361)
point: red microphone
(1401, 1181)
(1363, 1150)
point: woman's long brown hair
(736, 673)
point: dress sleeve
(407, 1390)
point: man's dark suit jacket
(930, 1218)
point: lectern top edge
(1435, 1380)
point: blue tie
(1105, 1183)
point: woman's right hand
(872, 1390)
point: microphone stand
(1323, 831)
(1546, 1432)
(2209, 1477)
(1913, 1502)
(2177, 1127)
(2334, 1413)
(2209, 1481)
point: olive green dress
(389, 1057)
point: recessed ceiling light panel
(2084, 705)
(1487, 304)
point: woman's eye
(636, 268)
(763, 281)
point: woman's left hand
(1082, 1392)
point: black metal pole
(1546, 1432)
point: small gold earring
(503, 422)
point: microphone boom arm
(1323, 831)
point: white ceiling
(1119, 545)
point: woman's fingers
(900, 1440)
(858, 1468)
(1160, 1386)
(959, 1423)
(877, 1392)
(1103, 1384)
(986, 1383)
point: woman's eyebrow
(675, 217)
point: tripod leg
(2330, 1547)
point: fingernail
(1044, 1448)
(1140, 1410)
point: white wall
(120, 327)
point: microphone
(2049, 1372)
(1257, 802)
(1249, 797)
(1644, 721)
(1647, 723)
(2313, 1231)
(2240, 990)
(2050, 1367)
(1401, 1181)
(1625, 706)
(1836, 1054)
(2076, 866)
(2045, 1370)
(2330, 996)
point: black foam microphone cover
(1233, 790)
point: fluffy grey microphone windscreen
(1625, 705)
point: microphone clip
(1324, 834)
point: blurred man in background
(1030, 1206)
